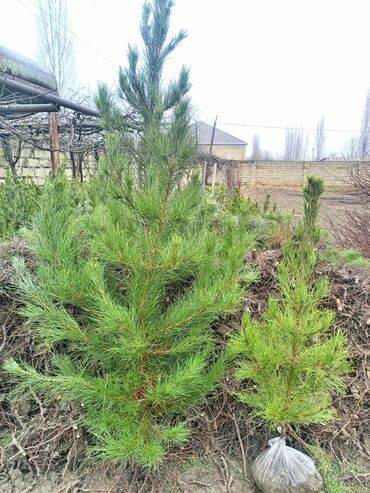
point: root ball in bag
(282, 469)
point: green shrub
(18, 201)
(270, 227)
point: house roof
(204, 136)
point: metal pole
(54, 143)
(29, 108)
(46, 95)
(213, 135)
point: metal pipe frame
(29, 108)
(46, 96)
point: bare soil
(334, 203)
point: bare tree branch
(350, 151)
(320, 139)
(295, 144)
(363, 144)
(55, 43)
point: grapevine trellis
(33, 116)
(80, 136)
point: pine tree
(290, 358)
(124, 300)
(124, 296)
(308, 229)
(147, 104)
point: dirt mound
(43, 448)
(350, 298)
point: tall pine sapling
(124, 296)
(145, 102)
(124, 299)
(290, 358)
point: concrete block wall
(291, 174)
(35, 164)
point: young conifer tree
(124, 296)
(291, 359)
(145, 102)
(309, 230)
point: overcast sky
(254, 62)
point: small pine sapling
(308, 229)
(290, 359)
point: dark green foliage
(148, 104)
(308, 229)
(266, 204)
(18, 201)
(239, 205)
(269, 226)
(141, 89)
(290, 357)
(236, 204)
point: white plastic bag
(282, 469)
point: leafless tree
(363, 144)
(350, 149)
(352, 228)
(295, 144)
(55, 43)
(320, 139)
(258, 153)
(256, 148)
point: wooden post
(214, 174)
(204, 173)
(210, 151)
(54, 143)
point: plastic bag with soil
(282, 469)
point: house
(224, 145)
